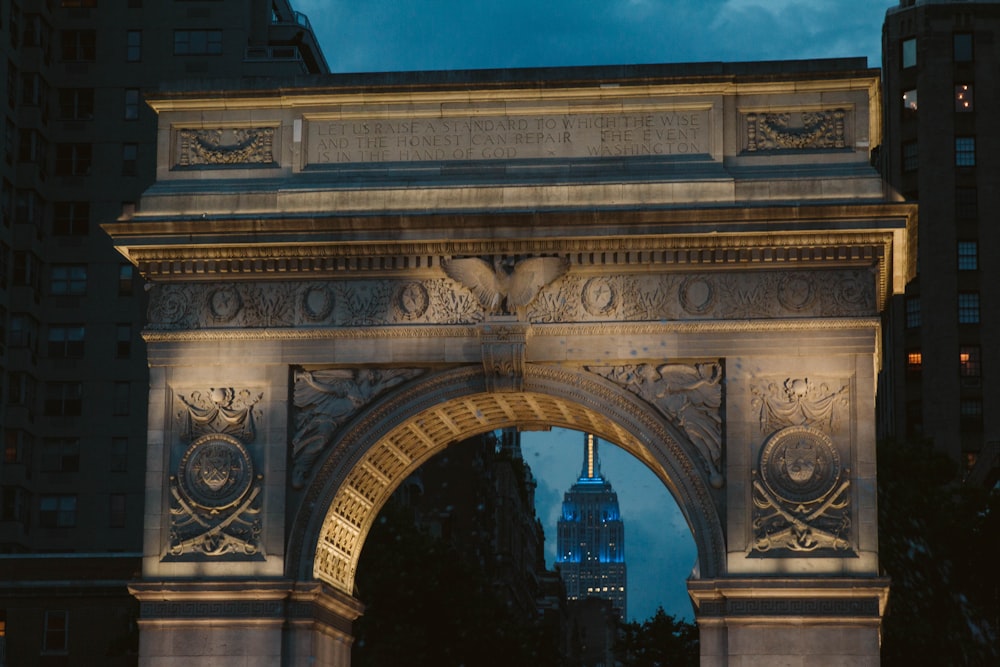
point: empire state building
(591, 536)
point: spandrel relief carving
(324, 400)
(225, 147)
(798, 402)
(688, 395)
(796, 130)
(215, 494)
(800, 494)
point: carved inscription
(594, 135)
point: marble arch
(348, 273)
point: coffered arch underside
(396, 435)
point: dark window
(73, 159)
(60, 455)
(126, 274)
(11, 83)
(197, 42)
(131, 103)
(908, 53)
(968, 255)
(123, 341)
(911, 156)
(969, 361)
(118, 461)
(23, 331)
(31, 147)
(34, 90)
(17, 445)
(57, 512)
(968, 308)
(63, 399)
(71, 218)
(971, 411)
(27, 269)
(116, 510)
(79, 45)
(967, 203)
(121, 399)
(16, 501)
(912, 312)
(68, 279)
(56, 636)
(130, 159)
(76, 103)
(133, 46)
(7, 202)
(963, 47)
(29, 206)
(21, 389)
(963, 98)
(66, 341)
(5, 254)
(965, 151)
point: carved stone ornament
(503, 341)
(505, 287)
(796, 130)
(221, 410)
(225, 147)
(798, 402)
(688, 395)
(800, 501)
(215, 508)
(325, 399)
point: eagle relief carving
(506, 287)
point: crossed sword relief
(215, 540)
(799, 535)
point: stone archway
(684, 231)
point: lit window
(968, 308)
(968, 255)
(914, 361)
(910, 100)
(57, 512)
(56, 628)
(963, 98)
(963, 47)
(911, 156)
(68, 279)
(912, 312)
(965, 151)
(909, 52)
(968, 357)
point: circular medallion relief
(598, 296)
(216, 472)
(800, 464)
(224, 303)
(697, 295)
(411, 300)
(796, 292)
(317, 302)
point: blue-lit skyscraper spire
(591, 536)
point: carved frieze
(647, 297)
(688, 395)
(796, 130)
(215, 494)
(798, 402)
(325, 399)
(800, 494)
(225, 147)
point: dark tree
(660, 641)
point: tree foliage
(938, 541)
(660, 641)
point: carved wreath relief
(221, 147)
(800, 492)
(792, 130)
(688, 395)
(215, 495)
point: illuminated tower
(591, 536)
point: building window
(118, 458)
(968, 255)
(130, 158)
(73, 159)
(68, 279)
(16, 501)
(967, 203)
(34, 90)
(56, 635)
(910, 100)
(63, 399)
(57, 512)
(963, 98)
(126, 274)
(912, 312)
(969, 361)
(909, 52)
(71, 218)
(23, 331)
(971, 415)
(66, 341)
(22, 389)
(965, 151)
(79, 45)
(911, 156)
(31, 147)
(123, 341)
(60, 455)
(968, 308)
(116, 510)
(963, 47)
(197, 42)
(17, 445)
(133, 46)
(914, 362)
(9, 141)
(76, 103)
(121, 399)
(131, 103)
